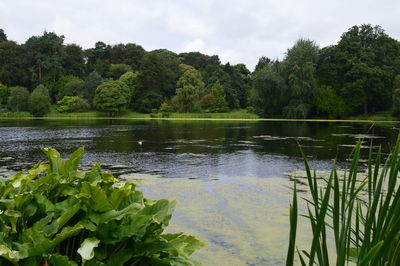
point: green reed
(365, 228)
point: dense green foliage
(190, 86)
(362, 212)
(269, 89)
(221, 104)
(18, 99)
(396, 97)
(56, 214)
(358, 73)
(70, 104)
(112, 97)
(39, 101)
(329, 103)
(130, 80)
(4, 94)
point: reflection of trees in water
(320, 140)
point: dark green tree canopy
(190, 88)
(45, 54)
(159, 73)
(18, 99)
(13, 65)
(299, 68)
(268, 90)
(112, 97)
(3, 36)
(39, 101)
(92, 81)
(359, 70)
(73, 61)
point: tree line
(358, 75)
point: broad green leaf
(98, 199)
(54, 157)
(60, 260)
(71, 165)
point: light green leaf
(87, 248)
(9, 254)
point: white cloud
(239, 31)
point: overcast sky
(239, 31)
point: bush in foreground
(58, 215)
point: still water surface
(228, 177)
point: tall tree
(190, 87)
(13, 65)
(92, 81)
(130, 79)
(262, 62)
(98, 58)
(129, 54)
(159, 72)
(369, 67)
(269, 90)
(3, 36)
(45, 54)
(73, 61)
(218, 92)
(299, 69)
(361, 68)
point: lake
(230, 178)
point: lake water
(230, 178)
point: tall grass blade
(293, 228)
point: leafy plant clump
(56, 214)
(362, 213)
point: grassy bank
(129, 114)
(238, 114)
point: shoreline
(198, 119)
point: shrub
(72, 88)
(209, 103)
(4, 94)
(166, 108)
(39, 101)
(57, 90)
(330, 103)
(296, 109)
(56, 214)
(72, 104)
(112, 97)
(18, 100)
